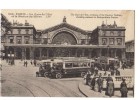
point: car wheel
(45, 74)
(58, 76)
(83, 74)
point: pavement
(84, 89)
(88, 92)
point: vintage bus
(107, 63)
(67, 66)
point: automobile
(44, 68)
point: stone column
(123, 53)
(32, 53)
(83, 52)
(100, 52)
(22, 40)
(47, 53)
(15, 42)
(15, 53)
(76, 53)
(40, 51)
(23, 53)
(89, 53)
(115, 52)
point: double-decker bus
(68, 66)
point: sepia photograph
(67, 53)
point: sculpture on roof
(64, 19)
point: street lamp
(107, 57)
(108, 51)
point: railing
(118, 79)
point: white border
(83, 4)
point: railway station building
(24, 41)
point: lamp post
(108, 51)
(106, 58)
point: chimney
(26, 23)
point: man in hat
(100, 83)
(123, 88)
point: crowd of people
(34, 62)
(96, 82)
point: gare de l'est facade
(64, 40)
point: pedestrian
(123, 88)
(34, 62)
(112, 72)
(96, 70)
(31, 62)
(87, 78)
(93, 82)
(117, 72)
(100, 83)
(96, 87)
(110, 88)
(24, 62)
(123, 65)
(109, 78)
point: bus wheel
(83, 74)
(58, 76)
(45, 74)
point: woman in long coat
(123, 89)
(110, 88)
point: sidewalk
(17, 63)
(88, 92)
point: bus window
(68, 65)
(75, 64)
(84, 65)
(88, 64)
(57, 66)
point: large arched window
(64, 38)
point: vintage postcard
(67, 53)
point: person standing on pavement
(31, 62)
(109, 78)
(110, 88)
(93, 81)
(87, 77)
(34, 62)
(100, 83)
(123, 88)
(26, 63)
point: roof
(64, 24)
(111, 28)
(130, 41)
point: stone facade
(65, 40)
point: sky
(84, 19)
